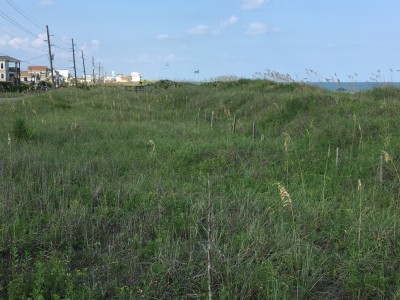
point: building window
(2, 66)
(2, 76)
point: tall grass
(107, 196)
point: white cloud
(227, 22)
(4, 40)
(95, 44)
(22, 43)
(203, 29)
(163, 37)
(46, 2)
(40, 40)
(253, 4)
(257, 28)
(230, 21)
(199, 30)
(18, 43)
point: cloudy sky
(312, 40)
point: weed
(21, 131)
(93, 209)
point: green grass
(90, 209)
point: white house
(135, 77)
(121, 78)
(64, 73)
(9, 69)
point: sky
(311, 40)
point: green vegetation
(104, 193)
(9, 87)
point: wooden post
(254, 130)
(84, 69)
(73, 56)
(234, 123)
(51, 57)
(212, 119)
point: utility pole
(93, 69)
(84, 69)
(51, 57)
(99, 73)
(73, 55)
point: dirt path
(16, 98)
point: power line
(35, 58)
(31, 19)
(25, 14)
(21, 42)
(28, 30)
(7, 18)
(61, 48)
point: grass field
(104, 193)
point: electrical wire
(25, 14)
(26, 61)
(21, 42)
(36, 24)
(31, 19)
(7, 18)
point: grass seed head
(284, 194)
(151, 143)
(74, 125)
(286, 141)
(386, 156)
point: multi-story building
(39, 73)
(9, 69)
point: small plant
(387, 158)
(359, 191)
(152, 144)
(9, 143)
(285, 196)
(20, 130)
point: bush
(386, 92)
(10, 87)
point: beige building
(39, 73)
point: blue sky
(339, 39)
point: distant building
(39, 73)
(135, 77)
(26, 77)
(109, 79)
(43, 73)
(9, 69)
(122, 78)
(64, 74)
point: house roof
(37, 68)
(8, 58)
